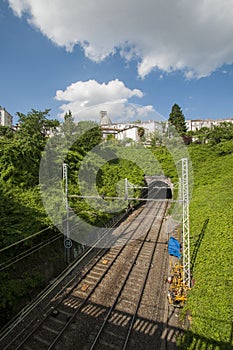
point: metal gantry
(186, 233)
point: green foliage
(91, 135)
(69, 126)
(110, 175)
(114, 171)
(210, 300)
(141, 132)
(201, 135)
(13, 290)
(22, 214)
(224, 148)
(221, 133)
(214, 135)
(155, 139)
(20, 151)
(167, 162)
(5, 131)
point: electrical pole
(67, 240)
(186, 233)
(126, 190)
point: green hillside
(210, 301)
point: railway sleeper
(49, 329)
(131, 290)
(72, 302)
(27, 347)
(41, 340)
(60, 318)
(114, 250)
(100, 268)
(127, 302)
(138, 272)
(132, 281)
(105, 345)
(90, 281)
(65, 313)
(117, 318)
(46, 335)
(145, 255)
(112, 334)
(94, 275)
(58, 322)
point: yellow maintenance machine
(179, 285)
(177, 291)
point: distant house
(106, 131)
(122, 131)
(129, 133)
(151, 126)
(197, 124)
(6, 118)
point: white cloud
(87, 98)
(91, 92)
(194, 36)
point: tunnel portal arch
(159, 187)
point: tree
(156, 139)
(90, 135)
(202, 134)
(69, 127)
(177, 119)
(141, 132)
(35, 123)
(222, 132)
(6, 131)
(20, 155)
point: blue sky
(67, 58)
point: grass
(211, 299)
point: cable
(39, 246)
(33, 249)
(30, 249)
(24, 239)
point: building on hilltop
(121, 131)
(197, 124)
(5, 118)
(104, 118)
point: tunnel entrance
(159, 190)
(159, 187)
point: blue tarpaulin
(174, 247)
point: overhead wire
(29, 252)
(33, 249)
(39, 246)
(24, 239)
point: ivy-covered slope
(210, 301)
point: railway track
(86, 312)
(133, 285)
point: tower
(104, 118)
